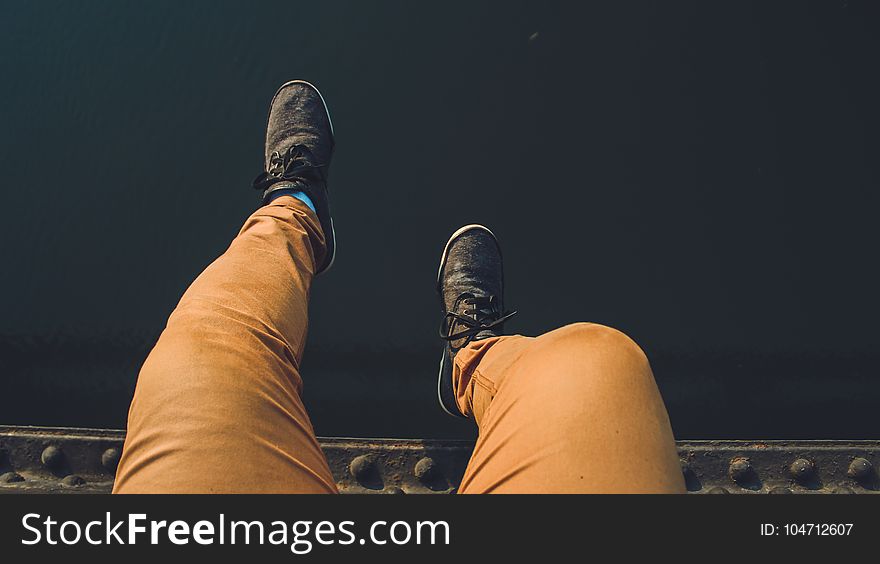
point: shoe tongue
(467, 282)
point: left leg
(218, 403)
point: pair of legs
(218, 402)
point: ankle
(293, 192)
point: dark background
(700, 175)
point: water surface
(702, 177)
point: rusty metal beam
(59, 460)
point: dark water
(703, 176)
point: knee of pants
(199, 329)
(583, 358)
(196, 321)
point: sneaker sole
(446, 371)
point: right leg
(575, 410)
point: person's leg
(574, 410)
(217, 406)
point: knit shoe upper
(299, 148)
(470, 283)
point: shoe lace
(295, 165)
(478, 314)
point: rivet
(843, 490)
(802, 470)
(110, 459)
(860, 469)
(362, 467)
(779, 490)
(11, 478)
(740, 470)
(717, 490)
(72, 481)
(426, 470)
(394, 490)
(52, 457)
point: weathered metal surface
(50, 460)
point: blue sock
(298, 194)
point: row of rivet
(363, 469)
(53, 458)
(801, 470)
(15, 477)
(781, 490)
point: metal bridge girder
(64, 460)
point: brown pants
(217, 406)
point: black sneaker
(299, 146)
(470, 282)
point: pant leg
(217, 407)
(574, 410)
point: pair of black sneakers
(470, 280)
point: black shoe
(470, 282)
(299, 146)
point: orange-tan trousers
(218, 405)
